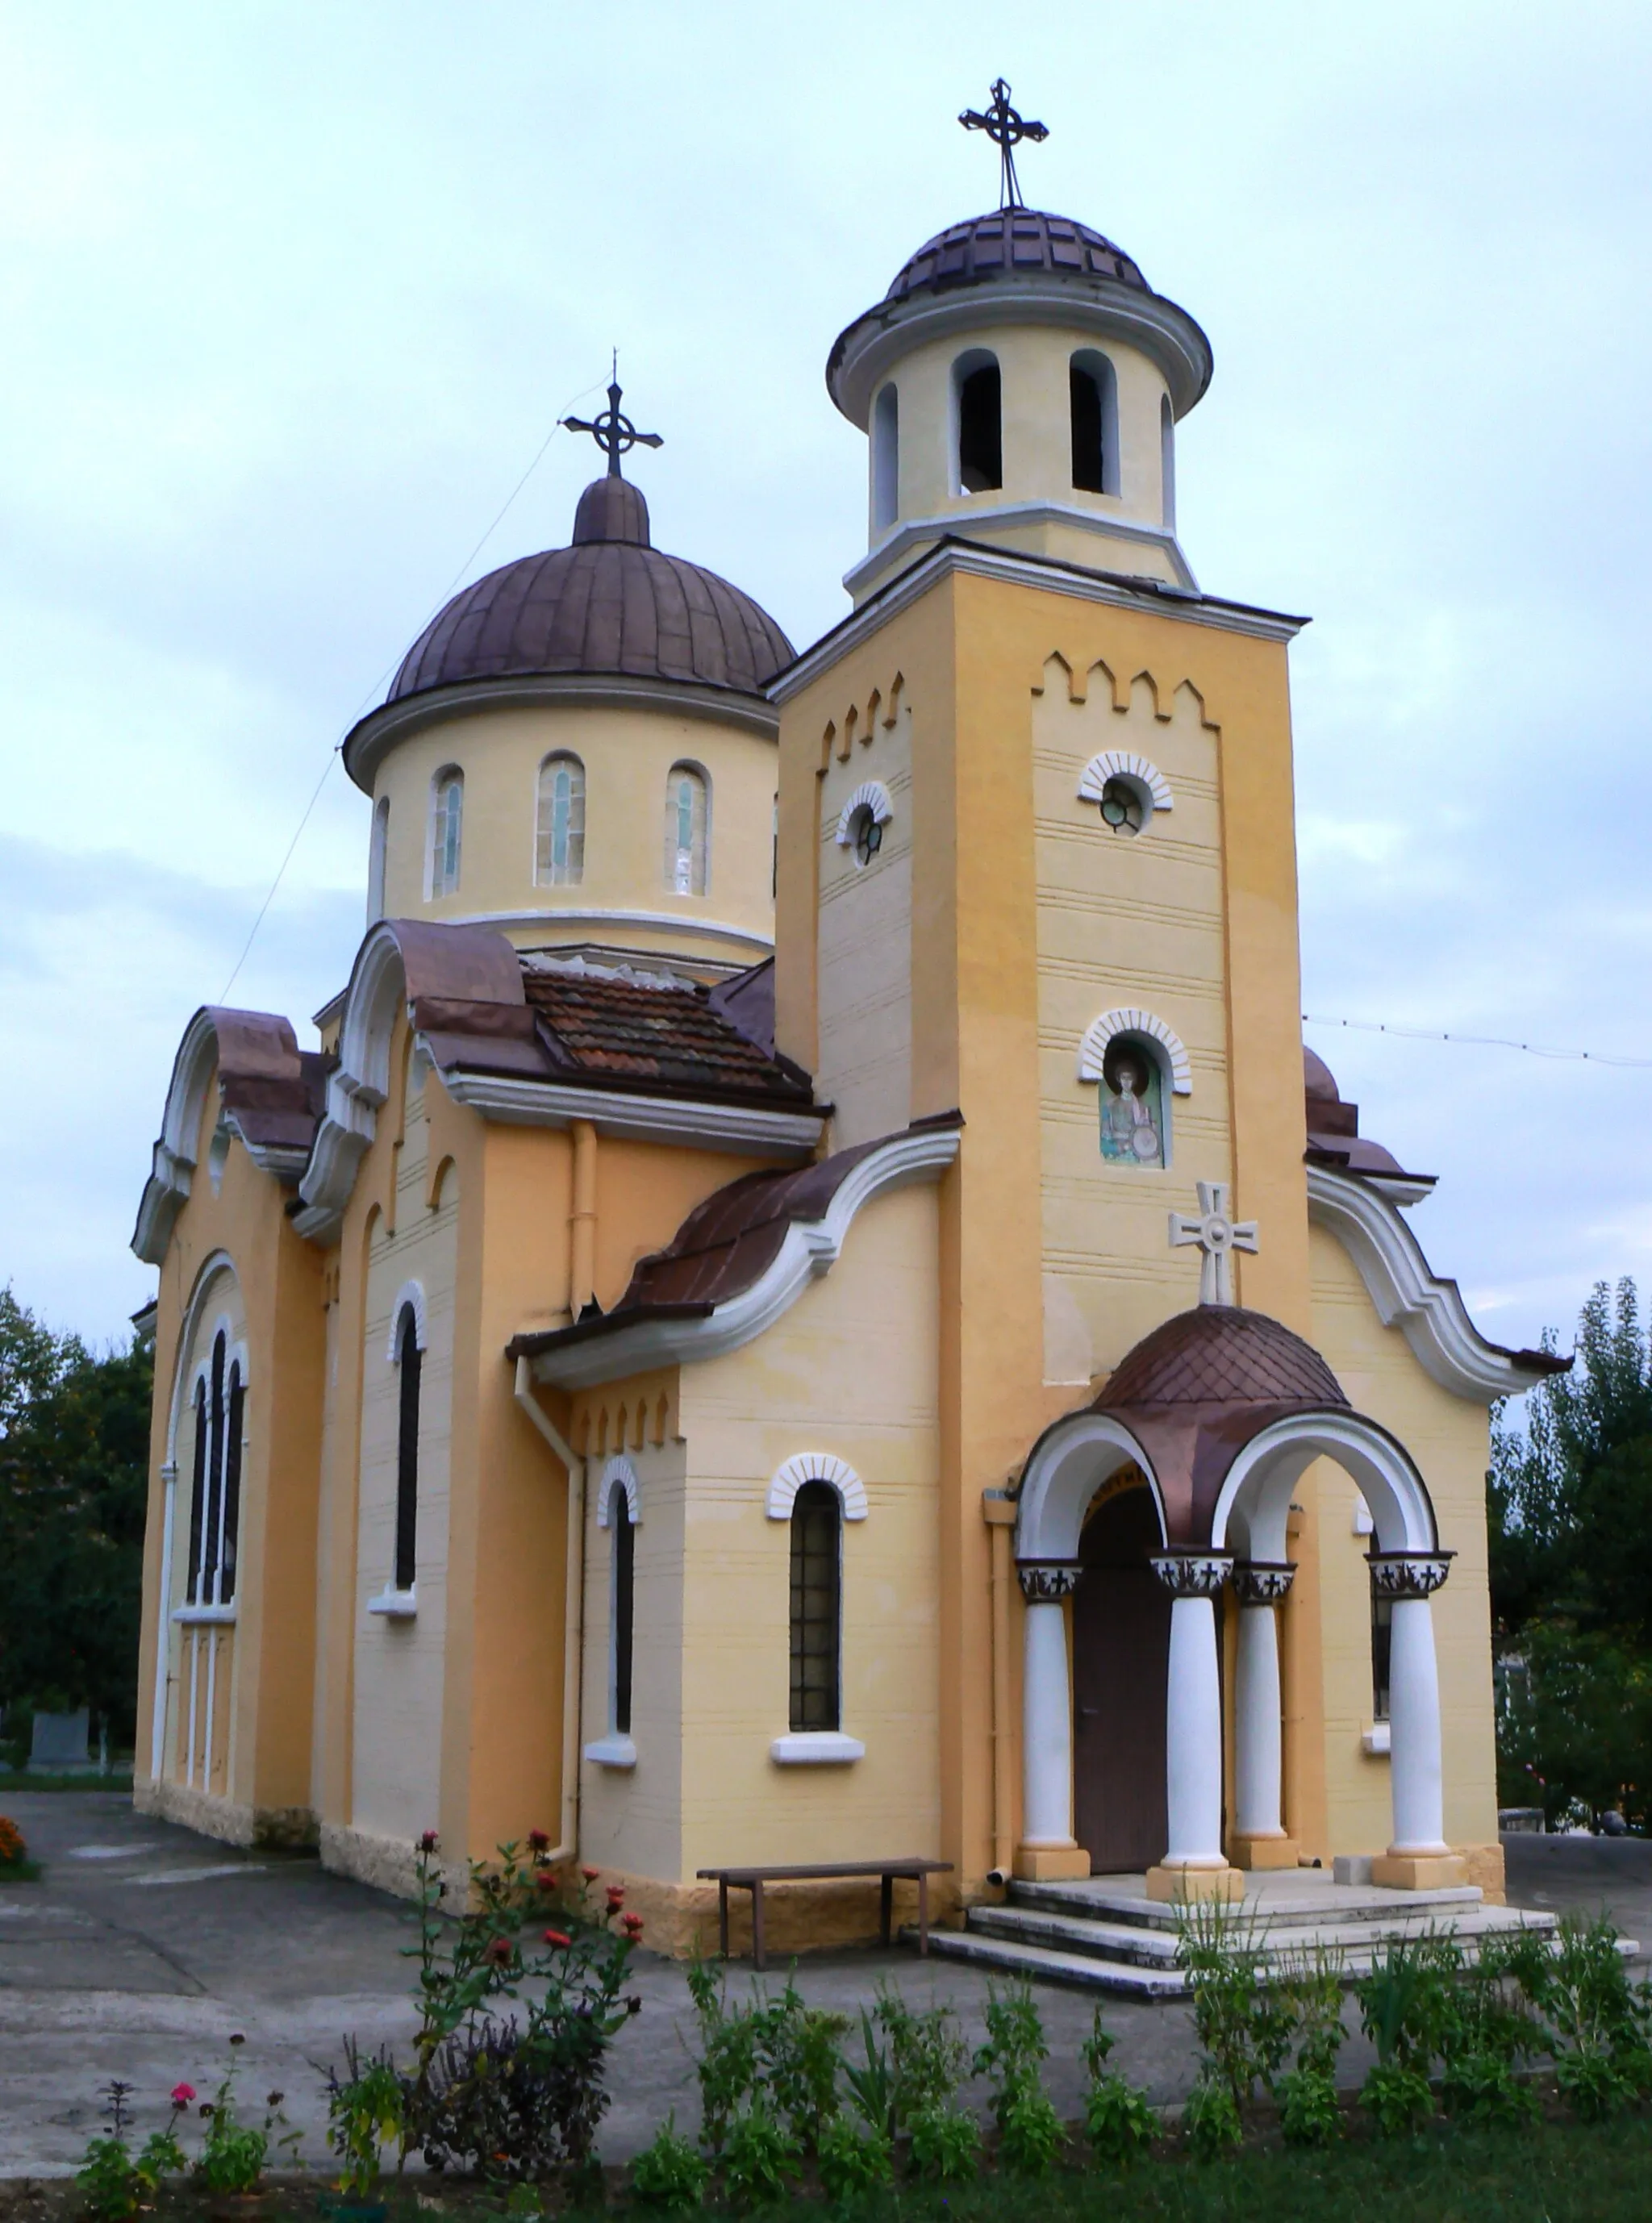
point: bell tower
(1020, 384)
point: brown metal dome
(1007, 243)
(1222, 1355)
(611, 603)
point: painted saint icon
(1132, 1106)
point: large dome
(1007, 243)
(1221, 1355)
(610, 603)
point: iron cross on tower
(1006, 129)
(1217, 1237)
(613, 433)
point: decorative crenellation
(1047, 1581)
(629, 1418)
(1192, 1574)
(1262, 1582)
(1409, 1574)
(860, 722)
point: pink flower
(537, 1842)
(182, 2095)
(615, 1897)
(632, 1926)
(590, 1874)
(428, 1842)
(557, 1938)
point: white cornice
(898, 544)
(1407, 1293)
(810, 1248)
(516, 1102)
(671, 922)
(1046, 576)
(383, 728)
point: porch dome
(1222, 1355)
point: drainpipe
(163, 1634)
(999, 1511)
(582, 1220)
(573, 1620)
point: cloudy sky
(294, 294)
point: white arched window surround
(446, 830)
(410, 1293)
(1145, 780)
(1145, 1027)
(815, 1466)
(560, 821)
(1097, 367)
(871, 796)
(619, 1475)
(377, 848)
(688, 828)
(886, 458)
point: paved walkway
(143, 1947)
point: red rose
(548, 1879)
(498, 1952)
(182, 2095)
(615, 1897)
(590, 1874)
(427, 1843)
(632, 1926)
(537, 1842)
(555, 1938)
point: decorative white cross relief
(1217, 1237)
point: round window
(1121, 806)
(867, 833)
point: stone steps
(1106, 1933)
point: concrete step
(1089, 1971)
(1353, 1942)
(1279, 1905)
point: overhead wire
(1476, 1042)
(384, 678)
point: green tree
(73, 1466)
(1569, 1502)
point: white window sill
(1375, 1740)
(396, 1605)
(204, 1616)
(816, 1748)
(612, 1751)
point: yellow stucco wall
(622, 897)
(865, 1069)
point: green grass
(22, 1871)
(17, 1778)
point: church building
(807, 1303)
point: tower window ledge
(394, 1604)
(612, 1751)
(1375, 1740)
(816, 1748)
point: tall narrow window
(236, 1421)
(409, 1359)
(378, 843)
(885, 459)
(1093, 389)
(1167, 462)
(625, 1550)
(1382, 1635)
(560, 861)
(687, 831)
(198, 1498)
(447, 821)
(980, 429)
(817, 1606)
(206, 1589)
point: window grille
(215, 1485)
(560, 859)
(817, 1606)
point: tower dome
(578, 749)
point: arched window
(1134, 1131)
(378, 843)
(885, 459)
(215, 1489)
(559, 860)
(1094, 396)
(817, 1606)
(197, 1497)
(206, 1585)
(687, 831)
(623, 1532)
(231, 1486)
(447, 819)
(980, 427)
(409, 1359)
(1167, 462)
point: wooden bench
(753, 1880)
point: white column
(1193, 1738)
(1416, 1778)
(1257, 1734)
(1046, 1707)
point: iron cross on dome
(614, 432)
(1218, 1237)
(1006, 129)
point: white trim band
(816, 1748)
(1092, 1050)
(635, 1119)
(1125, 765)
(815, 1466)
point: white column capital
(1262, 1582)
(1409, 1574)
(1192, 1574)
(1047, 1581)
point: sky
(296, 293)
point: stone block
(1180, 1886)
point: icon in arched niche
(1132, 1105)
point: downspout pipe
(999, 1509)
(573, 1619)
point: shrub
(233, 2153)
(1406, 2001)
(1597, 2023)
(871, 2083)
(114, 2182)
(513, 2097)
(366, 2112)
(759, 2158)
(1482, 2087)
(1309, 2115)
(1210, 2122)
(13, 1851)
(926, 2058)
(1396, 2098)
(780, 2046)
(1118, 2120)
(1244, 2028)
(853, 2161)
(1029, 2129)
(670, 2174)
(946, 2144)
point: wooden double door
(1121, 1645)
